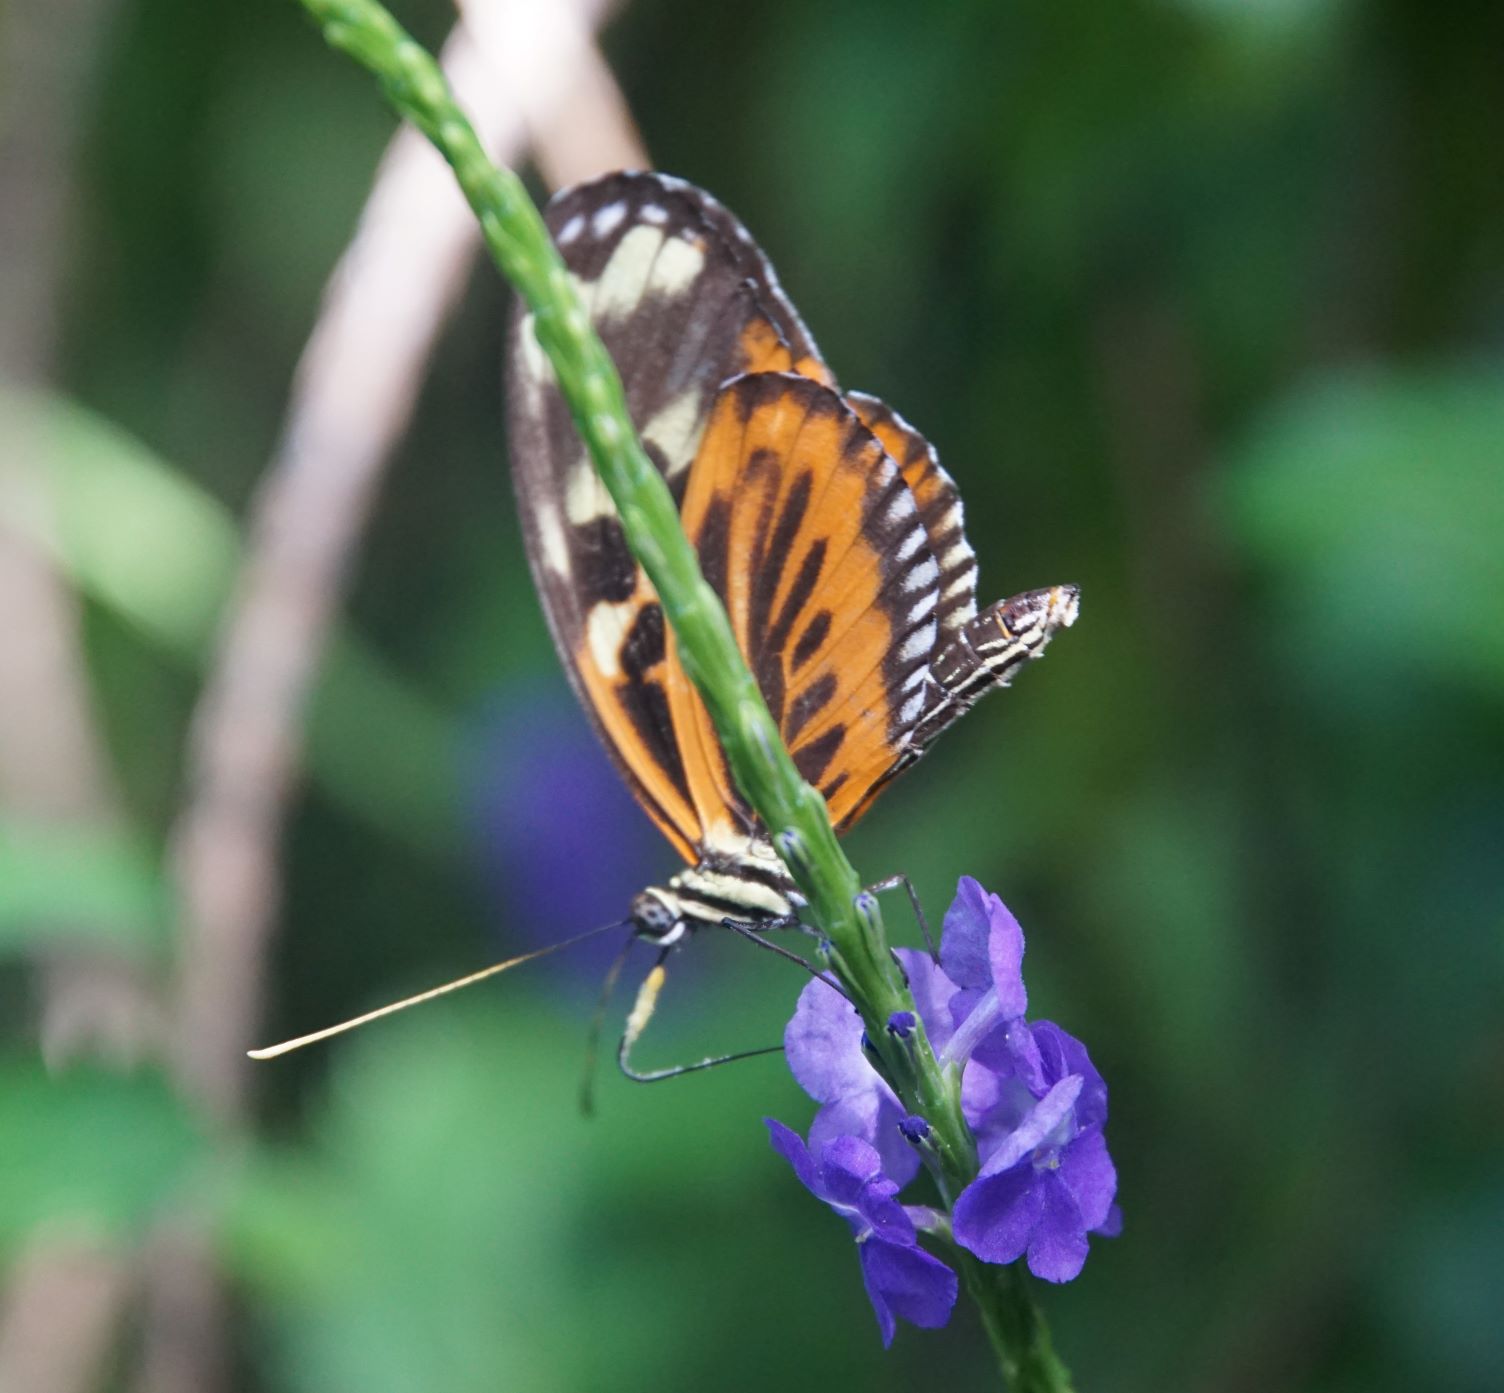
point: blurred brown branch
(528, 71)
(60, 1313)
(351, 400)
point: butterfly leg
(642, 1013)
(892, 883)
(750, 932)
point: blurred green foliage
(1203, 305)
(88, 1153)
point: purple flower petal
(1060, 1054)
(1009, 1048)
(872, 1114)
(1112, 1225)
(1005, 954)
(847, 1166)
(982, 947)
(1086, 1170)
(852, 1175)
(1047, 1117)
(790, 1145)
(963, 939)
(933, 991)
(823, 1044)
(906, 1281)
(994, 1105)
(846, 1173)
(1057, 1247)
(995, 1216)
(982, 1092)
(900, 1277)
(1029, 1092)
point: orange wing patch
(764, 349)
(624, 668)
(810, 536)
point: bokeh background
(1203, 305)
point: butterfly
(821, 518)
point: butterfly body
(823, 521)
(749, 885)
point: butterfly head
(657, 917)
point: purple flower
(1028, 1091)
(901, 1278)
(1034, 1099)
(823, 1045)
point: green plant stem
(1014, 1324)
(794, 813)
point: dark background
(1203, 306)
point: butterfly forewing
(683, 300)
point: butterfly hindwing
(808, 531)
(939, 503)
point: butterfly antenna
(642, 1013)
(287, 1046)
(593, 1039)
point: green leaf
(137, 536)
(126, 527)
(1374, 504)
(87, 1150)
(79, 885)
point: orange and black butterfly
(821, 518)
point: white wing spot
(623, 283)
(923, 605)
(654, 213)
(725, 840)
(679, 265)
(961, 584)
(676, 431)
(925, 573)
(911, 544)
(956, 555)
(608, 219)
(919, 644)
(911, 708)
(900, 509)
(551, 539)
(605, 627)
(571, 230)
(585, 497)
